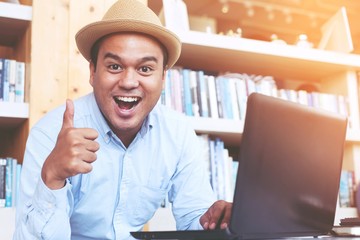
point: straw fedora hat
(129, 16)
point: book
(8, 182)
(228, 175)
(202, 94)
(233, 99)
(166, 93)
(2, 73)
(219, 97)
(194, 94)
(205, 149)
(220, 165)
(20, 82)
(240, 86)
(12, 80)
(17, 183)
(2, 181)
(5, 80)
(187, 92)
(176, 90)
(235, 165)
(213, 167)
(227, 98)
(212, 99)
(346, 189)
(14, 182)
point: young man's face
(127, 81)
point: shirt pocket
(142, 203)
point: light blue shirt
(126, 185)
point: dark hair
(95, 51)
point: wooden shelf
(343, 212)
(13, 114)
(14, 19)
(218, 53)
(231, 130)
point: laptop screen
(289, 169)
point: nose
(129, 79)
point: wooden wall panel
(58, 70)
(91, 10)
(49, 56)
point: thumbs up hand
(74, 151)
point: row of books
(222, 170)
(195, 93)
(9, 181)
(221, 167)
(12, 80)
(347, 189)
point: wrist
(50, 181)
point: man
(99, 167)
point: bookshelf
(334, 72)
(15, 31)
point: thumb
(68, 119)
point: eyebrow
(118, 58)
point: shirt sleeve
(41, 213)
(191, 193)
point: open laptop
(290, 161)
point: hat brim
(88, 35)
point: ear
(92, 72)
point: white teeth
(127, 99)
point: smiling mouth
(126, 103)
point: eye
(115, 67)
(145, 69)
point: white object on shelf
(175, 15)
(7, 223)
(336, 35)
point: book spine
(20, 82)
(176, 89)
(219, 159)
(194, 94)
(8, 182)
(17, 182)
(226, 95)
(233, 99)
(14, 183)
(213, 167)
(202, 93)
(12, 80)
(213, 106)
(166, 96)
(187, 92)
(2, 181)
(6, 80)
(2, 73)
(241, 96)
(218, 81)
